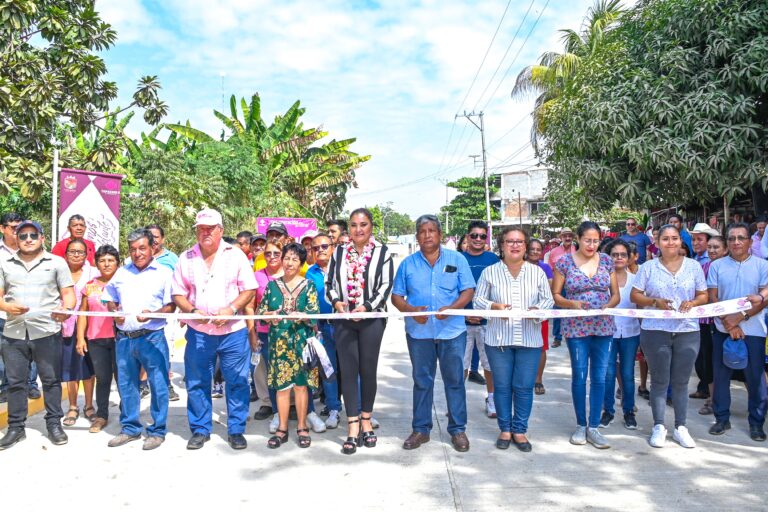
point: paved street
(723, 473)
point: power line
(518, 123)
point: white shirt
(626, 327)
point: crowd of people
(343, 270)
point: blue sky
(391, 73)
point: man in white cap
(214, 279)
(306, 241)
(700, 235)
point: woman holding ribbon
(514, 345)
(671, 282)
(588, 279)
(359, 280)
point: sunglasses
(321, 247)
(31, 236)
(272, 254)
(631, 223)
(475, 236)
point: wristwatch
(746, 315)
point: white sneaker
(579, 436)
(596, 439)
(490, 407)
(333, 419)
(315, 423)
(683, 437)
(658, 436)
(274, 424)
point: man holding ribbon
(214, 279)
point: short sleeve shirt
(642, 241)
(477, 264)
(138, 290)
(734, 280)
(595, 291)
(35, 285)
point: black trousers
(46, 353)
(358, 345)
(703, 365)
(102, 353)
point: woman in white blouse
(626, 339)
(513, 345)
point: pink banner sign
(296, 227)
(95, 196)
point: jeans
(424, 354)
(583, 351)
(514, 374)
(474, 365)
(46, 352)
(32, 382)
(626, 350)
(755, 380)
(151, 353)
(331, 387)
(103, 357)
(234, 352)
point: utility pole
(481, 127)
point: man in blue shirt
(734, 276)
(639, 238)
(677, 220)
(478, 259)
(701, 233)
(435, 279)
(142, 286)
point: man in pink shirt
(214, 279)
(566, 247)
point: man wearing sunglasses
(479, 259)
(37, 293)
(641, 240)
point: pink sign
(95, 196)
(296, 227)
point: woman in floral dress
(290, 294)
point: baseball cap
(734, 354)
(28, 223)
(208, 217)
(277, 226)
(258, 236)
(308, 234)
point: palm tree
(548, 78)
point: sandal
(278, 440)
(369, 437)
(69, 419)
(304, 441)
(538, 388)
(89, 416)
(350, 445)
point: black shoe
(502, 444)
(237, 442)
(756, 433)
(292, 413)
(3, 397)
(644, 393)
(13, 436)
(263, 413)
(606, 419)
(523, 446)
(173, 396)
(57, 435)
(325, 412)
(556, 342)
(476, 378)
(197, 441)
(630, 422)
(143, 391)
(33, 393)
(254, 396)
(669, 401)
(719, 428)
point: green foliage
(387, 222)
(469, 204)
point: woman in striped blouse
(513, 345)
(359, 280)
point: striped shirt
(530, 289)
(377, 276)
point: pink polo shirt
(210, 290)
(557, 253)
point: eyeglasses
(590, 242)
(481, 236)
(321, 247)
(738, 238)
(272, 254)
(75, 252)
(31, 236)
(514, 242)
(621, 255)
(631, 223)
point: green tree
(388, 222)
(469, 204)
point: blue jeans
(331, 388)
(151, 353)
(474, 365)
(626, 350)
(583, 351)
(754, 375)
(234, 352)
(514, 374)
(31, 383)
(424, 357)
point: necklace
(356, 265)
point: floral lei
(356, 265)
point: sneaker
(606, 419)
(596, 439)
(630, 423)
(683, 438)
(315, 423)
(173, 396)
(556, 343)
(476, 378)
(333, 419)
(579, 436)
(33, 393)
(218, 391)
(274, 424)
(144, 391)
(490, 407)
(325, 412)
(658, 436)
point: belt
(137, 334)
